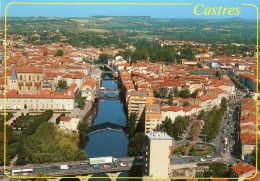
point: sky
(155, 11)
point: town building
(69, 124)
(57, 101)
(248, 126)
(156, 158)
(27, 80)
(153, 117)
(138, 100)
(90, 89)
(242, 171)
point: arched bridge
(105, 91)
(106, 125)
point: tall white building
(156, 158)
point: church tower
(13, 81)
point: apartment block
(156, 158)
(153, 117)
(138, 100)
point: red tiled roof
(90, 82)
(28, 70)
(172, 108)
(44, 94)
(64, 118)
(242, 168)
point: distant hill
(144, 26)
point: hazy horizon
(154, 11)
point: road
(223, 151)
(76, 167)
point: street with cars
(226, 144)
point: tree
(179, 125)
(81, 102)
(103, 58)
(58, 118)
(62, 84)
(186, 103)
(128, 54)
(120, 53)
(223, 103)
(219, 170)
(59, 53)
(140, 53)
(202, 114)
(169, 102)
(194, 94)
(41, 174)
(187, 54)
(217, 74)
(135, 146)
(176, 91)
(131, 124)
(185, 93)
(83, 128)
(49, 145)
(168, 126)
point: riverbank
(91, 112)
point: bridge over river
(109, 93)
(106, 125)
(77, 169)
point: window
(21, 77)
(43, 106)
(29, 88)
(37, 87)
(20, 87)
(29, 77)
(31, 106)
(38, 77)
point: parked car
(83, 163)
(122, 164)
(38, 167)
(202, 160)
(191, 160)
(181, 161)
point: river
(108, 142)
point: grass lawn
(197, 152)
(178, 151)
(17, 132)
